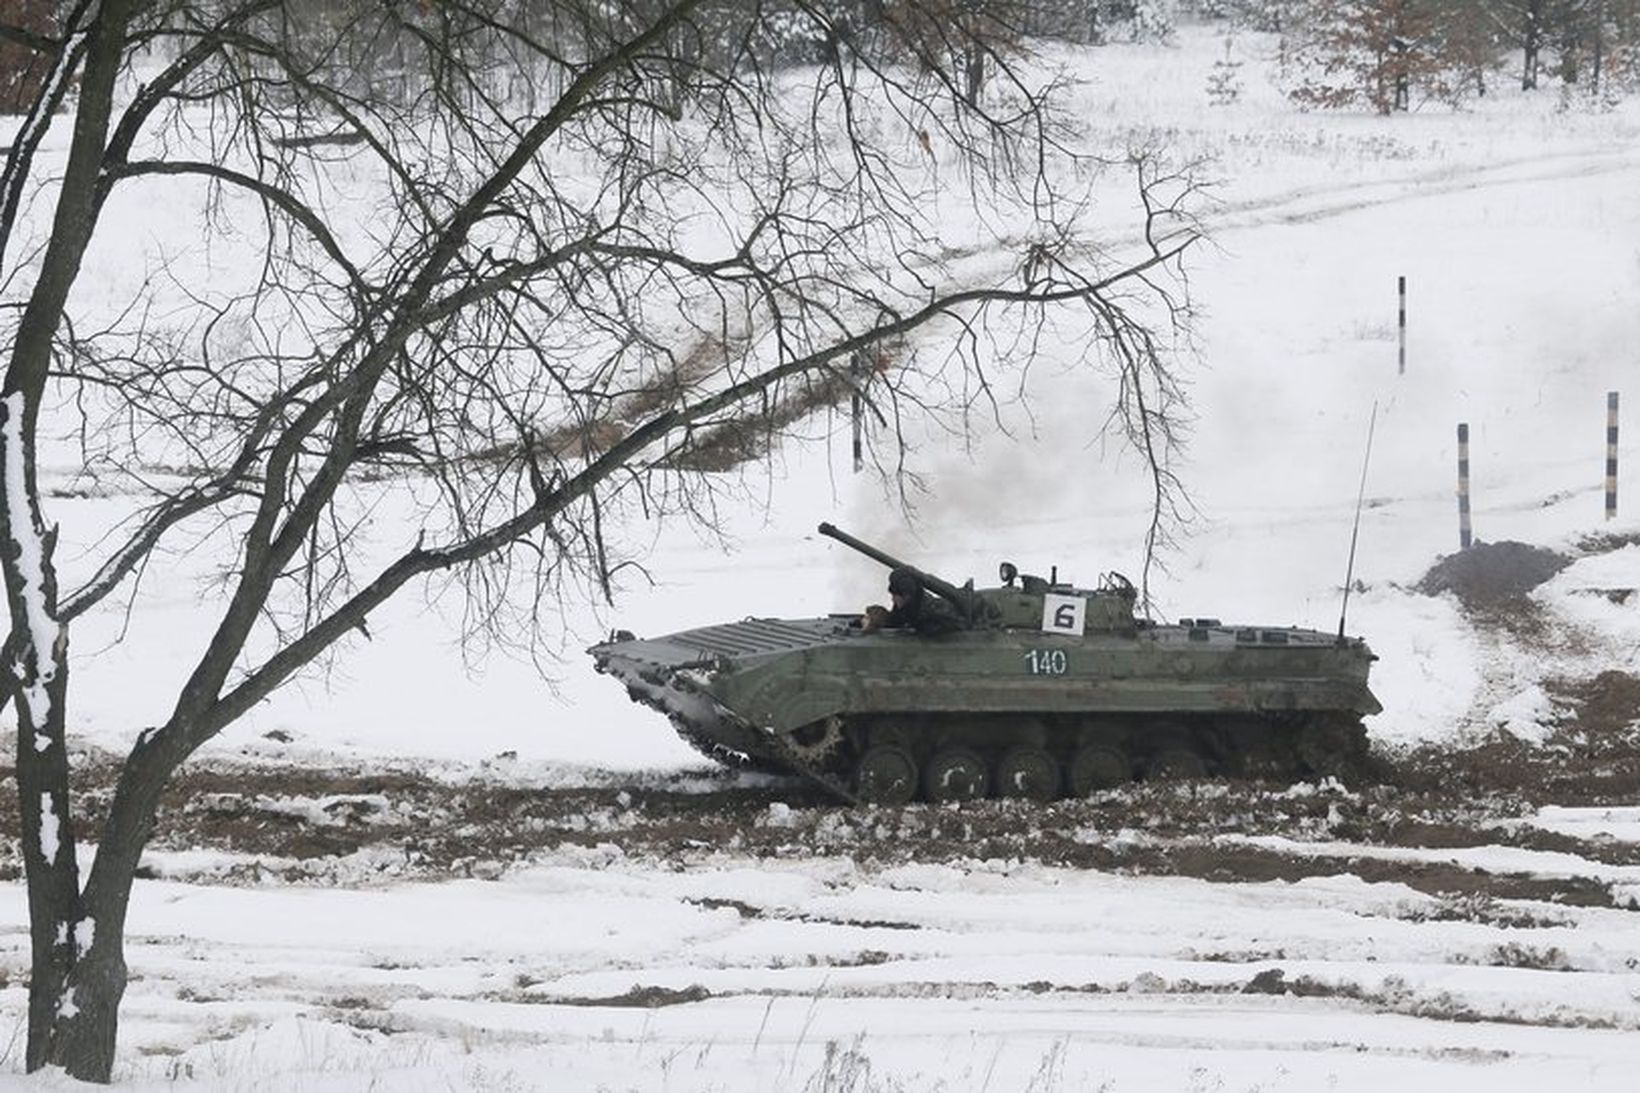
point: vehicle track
(351, 825)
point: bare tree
(535, 270)
(1526, 19)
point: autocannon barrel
(944, 589)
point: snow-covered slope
(1517, 227)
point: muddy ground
(308, 825)
(349, 825)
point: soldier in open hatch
(914, 608)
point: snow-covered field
(1517, 227)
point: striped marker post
(1401, 286)
(1611, 455)
(1463, 485)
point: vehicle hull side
(1002, 672)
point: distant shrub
(1224, 81)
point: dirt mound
(1489, 575)
(1606, 705)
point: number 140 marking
(1046, 662)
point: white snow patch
(49, 842)
(1527, 714)
(1600, 596)
(1616, 824)
(31, 567)
(330, 811)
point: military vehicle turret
(1044, 689)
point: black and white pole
(1463, 485)
(1611, 455)
(1401, 320)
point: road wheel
(1262, 762)
(1098, 766)
(955, 774)
(885, 775)
(1176, 763)
(1333, 747)
(1028, 772)
(1256, 748)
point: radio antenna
(1355, 532)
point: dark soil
(1489, 577)
(304, 825)
(1591, 758)
(1592, 755)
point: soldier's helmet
(902, 582)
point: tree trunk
(37, 644)
(49, 861)
(1598, 57)
(973, 71)
(83, 1038)
(77, 971)
(1531, 44)
(83, 1044)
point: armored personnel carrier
(1041, 690)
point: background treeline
(1382, 55)
(1394, 55)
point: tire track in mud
(1435, 824)
(1437, 909)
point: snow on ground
(998, 975)
(1518, 229)
(1027, 933)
